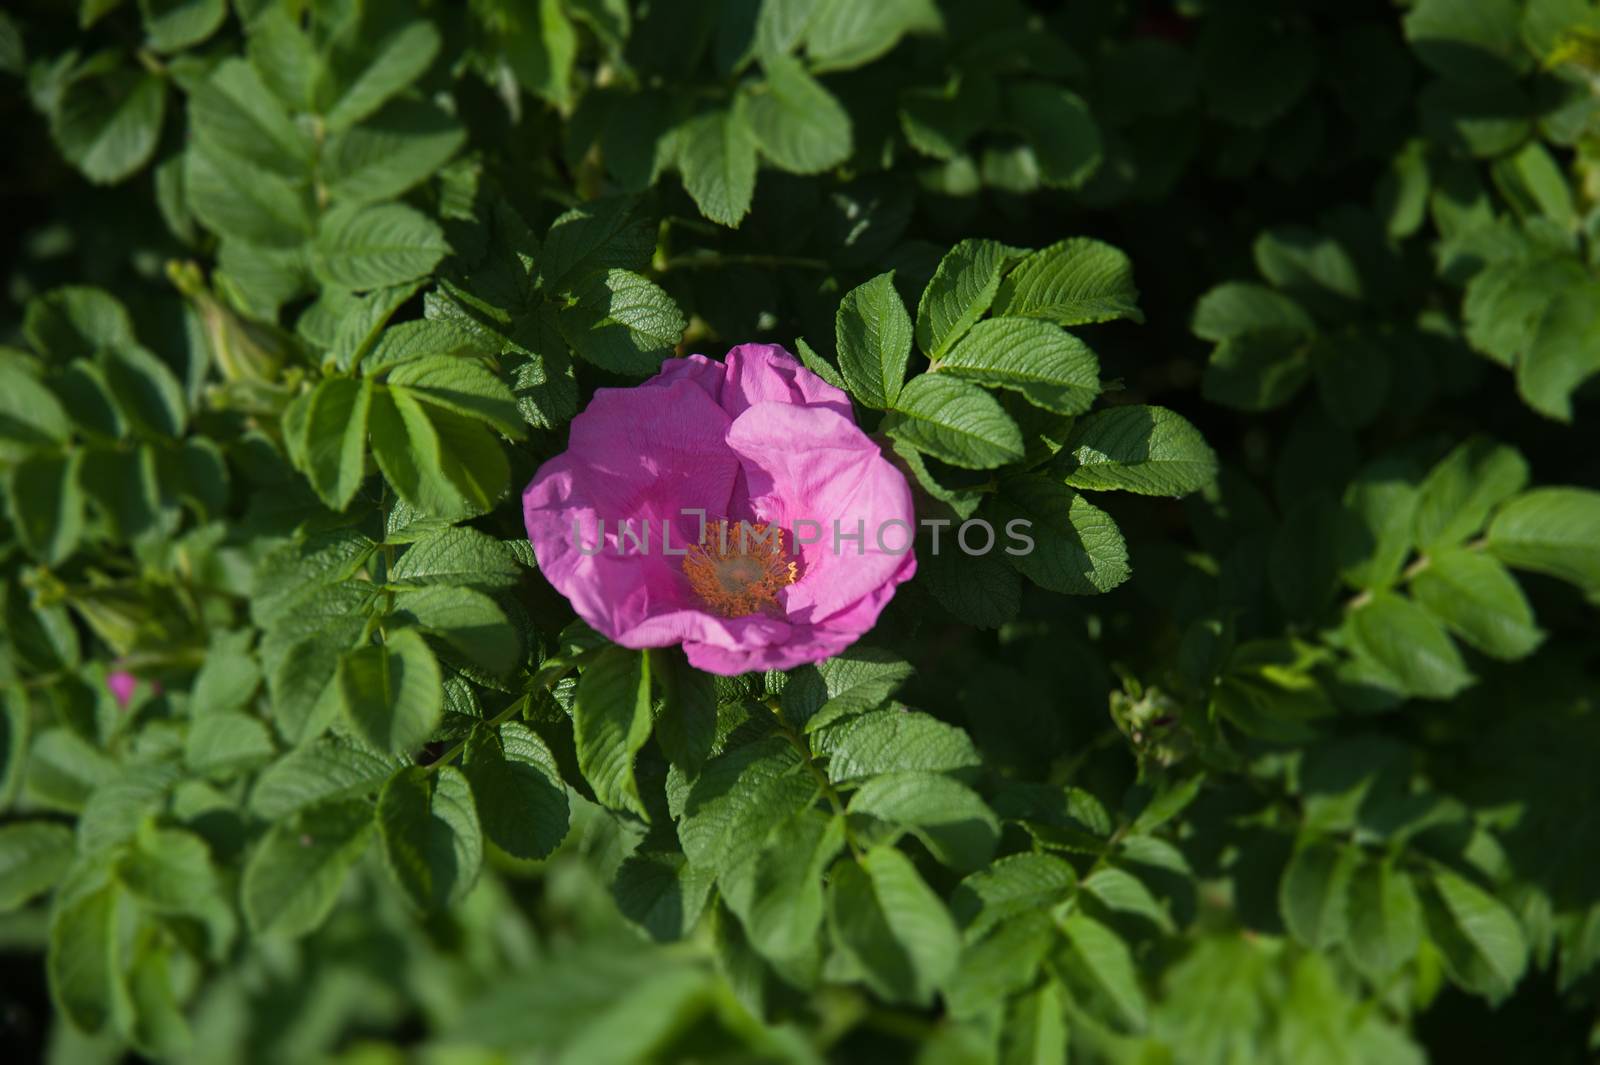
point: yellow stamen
(739, 567)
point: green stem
(715, 260)
(516, 707)
(1418, 565)
(798, 742)
(494, 722)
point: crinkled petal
(697, 368)
(816, 474)
(765, 373)
(693, 625)
(640, 456)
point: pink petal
(812, 465)
(636, 454)
(697, 368)
(765, 373)
(122, 685)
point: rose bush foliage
(1278, 746)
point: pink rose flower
(772, 456)
(122, 685)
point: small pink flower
(772, 456)
(122, 685)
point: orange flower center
(737, 568)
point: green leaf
(1373, 536)
(961, 289)
(227, 678)
(1410, 645)
(514, 777)
(66, 323)
(227, 741)
(463, 385)
(1551, 530)
(884, 741)
(947, 816)
(1076, 281)
(1035, 1029)
(1122, 892)
(661, 893)
(267, 210)
(1053, 369)
(1536, 184)
(1480, 602)
(432, 843)
(471, 461)
(892, 925)
(686, 722)
(778, 894)
(979, 590)
(1468, 39)
(940, 121)
(237, 122)
(541, 50)
(1257, 371)
(46, 505)
(82, 959)
(1506, 300)
(392, 64)
(739, 799)
(1385, 920)
(368, 246)
(63, 769)
(1100, 962)
(108, 120)
(145, 389)
(400, 146)
(854, 681)
(123, 804)
(1077, 548)
(168, 870)
(841, 34)
(157, 1026)
(818, 365)
(795, 121)
(34, 856)
(390, 694)
(336, 438)
(610, 723)
(30, 415)
(1563, 352)
(1312, 267)
(1148, 450)
(172, 25)
(457, 555)
(595, 237)
(999, 964)
(1013, 885)
(1464, 488)
(14, 729)
(409, 451)
(717, 157)
(324, 771)
(1061, 130)
(622, 322)
(294, 876)
(1482, 944)
(1238, 309)
(874, 338)
(1314, 894)
(956, 422)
